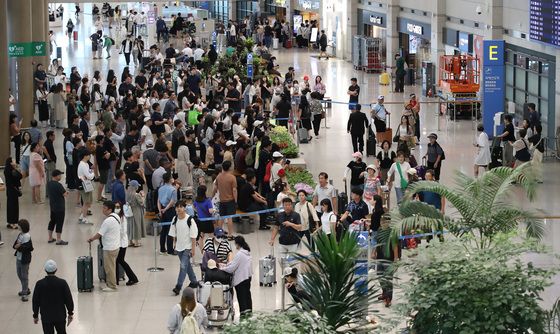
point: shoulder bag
(404, 182)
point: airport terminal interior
(465, 64)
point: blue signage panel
(250, 71)
(493, 83)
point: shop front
(414, 41)
(306, 10)
(372, 24)
(277, 9)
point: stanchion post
(283, 293)
(155, 268)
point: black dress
(13, 185)
(43, 110)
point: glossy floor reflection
(144, 308)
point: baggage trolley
(217, 298)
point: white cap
(149, 142)
(277, 155)
(257, 123)
(412, 171)
(371, 167)
(50, 266)
(146, 119)
(381, 97)
(230, 143)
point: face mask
(73, 135)
(117, 211)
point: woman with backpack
(188, 316)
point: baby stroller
(217, 298)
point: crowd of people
(173, 139)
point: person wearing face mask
(132, 279)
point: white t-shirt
(187, 52)
(84, 172)
(326, 219)
(183, 233)
(405, 166)
(274, 173)
(110, 232)
(198, 54)
(146, 133)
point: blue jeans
(400, 194)
(185, 268)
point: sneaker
(194, 285)
(108, 289)
(51, 241)
(26, 293)
(176, 291)
(62, 243)
(24, 298)
(89, 213)
(264, 227)
(1, 243)
(81, 221)
(131, 282)
(162, 253)
(108, 57)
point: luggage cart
(217, 298)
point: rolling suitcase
(275, 42)
(75, 35)
(496, 154)
(342, 200)
(410, 78)
(370, 144)
(421, 169)
(288, 43)
(267, 270)
(101, 270)
(384, 79)
(85, 272)
(303, 135)
(386, 135)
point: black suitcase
(85, 272)
(370, 144)
(496, 154)
(342, 200)
(101, 269)
(410, 78)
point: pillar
(4, 83)
(38, 33)
(46, 28)
(20, 32)
(392, 47)
(350, 27)
(439, 18)
(494, 23)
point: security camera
(478, 10)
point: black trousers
(399, 83)
(12, 207)
(120, 260)
(254, 206)
(166, 243)
(380, 126)
(437, 169)
(57, 220)
(243, 291)
(49, 327)
(316, 124)
(357, 142)
(17, 143)
(127, 58)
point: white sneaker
(108, 289)
(1, 243)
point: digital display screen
(464, 42)
(544, 21)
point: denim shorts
(24, 163)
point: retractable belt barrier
(252, 213)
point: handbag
(87, 185)
(127, 210)
(310, 220)
(397, 135)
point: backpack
(268, 172)
(305, 112)
(315, 107)
(112, 41)
(443, 152)
(192, 217)
(250, 157)
(189, 325)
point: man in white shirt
(324, 190)
(146, 132)
(85, 174)
(110, 235)
(184, 231)
(379, 115)
(198, 53)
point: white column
(392, 46)
(439, 18)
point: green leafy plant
(457, 288)
(330, 281)
(484, 206)
(281, 137)
(297, 175)
(289, 322)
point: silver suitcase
(267, 270)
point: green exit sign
(27, 49)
